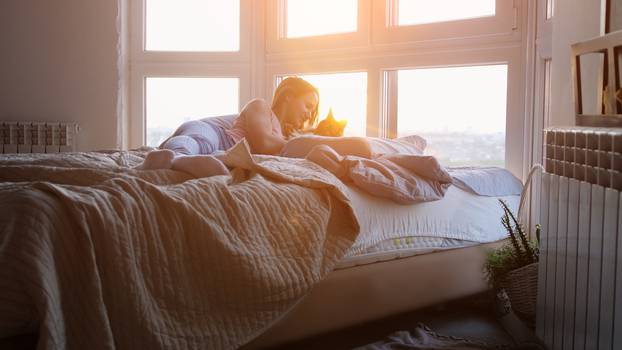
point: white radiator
(580, 270)
(37, 137)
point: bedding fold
(107, 257)
(403, 178)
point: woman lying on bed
(266, 129)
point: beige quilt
(96, 255)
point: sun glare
(346, 94)
(189, 25)
(411, 12)
(320, 17)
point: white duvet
(94, 255)
(458, 215)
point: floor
(473, 318)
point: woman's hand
(291, 131)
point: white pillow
(412, 144)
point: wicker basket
(521, 285)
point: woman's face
(300, 109)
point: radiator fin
(38, 137)
(580, 272)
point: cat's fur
(329, 126)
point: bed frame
(363, 293)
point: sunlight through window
(460, 111)
(346, 94)
(192, 25)
(411, 12)
(320, 17)
(172, 101)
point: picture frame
(598, 61)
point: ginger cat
(329, 126)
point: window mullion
(388, 126)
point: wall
(574, 20)
(59, 62)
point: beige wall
(574, 20)
(59, 62)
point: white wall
(59, 62)
(574, 20)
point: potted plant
(514, 266)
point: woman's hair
(295, 87)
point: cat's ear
(330, 114)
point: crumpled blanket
(403, 178)
(423, 338)
(96, 255)
(408, 178)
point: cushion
(486, 181)
(412, 144)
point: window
(425, 11)
(304, 25)
(460, 111)
(189, 25)
(171, 101)
(346, 94)
(455, 20)
(189, 59)
(320, 17)
(370, 60)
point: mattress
(392, 231)
(351, 296)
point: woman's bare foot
(200, 165)
(158, 159)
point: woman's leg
(158, 159)
(188, 150)
(200, 165)
(195, 137)
(327, 158)
(182, 144)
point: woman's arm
(258, 115)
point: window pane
(412, 12)
(346, 94)
(192, 25)
(172, 101)
(460, 111)
(320, 17)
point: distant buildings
(458, 149)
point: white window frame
(538, 97)
(514, 115)
(488, 28)
(383, 50)
(374, 48)
(240, 64)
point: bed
(148, 296)
(395, 266)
